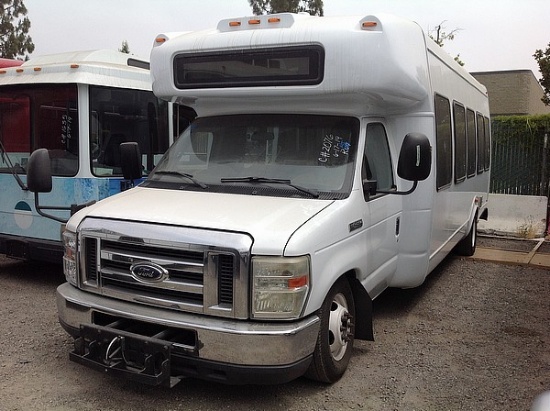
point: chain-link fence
(520, 160)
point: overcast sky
(493, 34)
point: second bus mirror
(39, 172)
(130, 157)
(415, 158)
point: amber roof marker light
(369, 24)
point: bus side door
(381, 211)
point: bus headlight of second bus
(69, 257)
(280, 286)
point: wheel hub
(340, 327)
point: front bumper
(224, 350)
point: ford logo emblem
(148, 272)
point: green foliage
(14, 27)
(313, 7)
(543, 60)
(525, 130)
(520, 127)
(125, 47)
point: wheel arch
(363, 308)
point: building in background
(513, 92)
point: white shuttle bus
(79, 106)
(331, 158)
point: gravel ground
(475, 336)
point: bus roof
(373, 63)
(98, 67)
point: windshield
(125, 115)
(39, 116)
(279, 155)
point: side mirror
(39, 180)
(415, 162)
(130, 158)
(39, 172)
(415, 158)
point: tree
(313, 7)
(125, 47)
(543, 60)
(14, 28)
(440, 37)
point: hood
(269, 220)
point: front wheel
(336, 335)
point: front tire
(336, 335)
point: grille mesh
(184, 286)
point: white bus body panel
(270, 221)
(390, 72)
(99, 67)
(387, 74)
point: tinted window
(460, 141)
(487, 143)
(378, 164)
(40, 117)
(480, 143)
(472, 151)
(443, 137)
(241, 68)
(123, 115)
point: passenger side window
(472, 150)
(443, 136)
(378, 164)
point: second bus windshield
(49, 116)
(119, 116)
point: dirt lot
(475, 336)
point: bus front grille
(199, 276)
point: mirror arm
(77, 207)
(401, 193)
(73, 209)
(39, 209)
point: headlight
(280, 286)
(69, 257)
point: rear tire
(467, 246)
(336, 335)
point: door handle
(397, 225)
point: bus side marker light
(369, 24)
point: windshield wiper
(184, 175)
(7, 160)
(310, 192)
